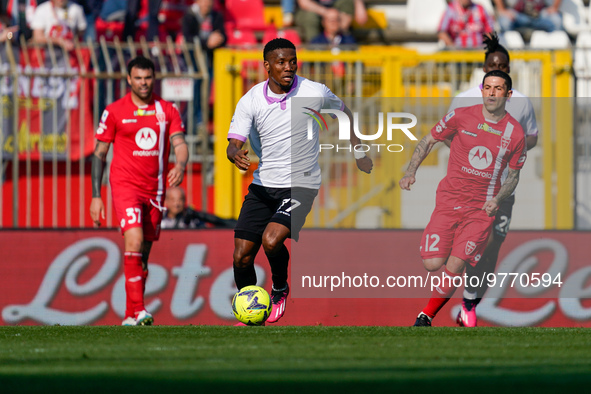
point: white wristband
(358, 155)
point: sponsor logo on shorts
(122, 223)
(470, 247)
(480, 157)
(470, 133)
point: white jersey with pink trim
(278, 132)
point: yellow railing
(403, 73)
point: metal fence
(51, 101)
(424, 84)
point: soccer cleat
(278, 299)
(423, 320)
(129, 321)
(144, 319)
(467, 315)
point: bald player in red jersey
(486, 139)
(141, 126)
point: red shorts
(134, 210)
(461, 232)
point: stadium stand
(512, 40)
(544, 40)
(574, 17)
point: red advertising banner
(76, 278)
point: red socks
(441, 294)
(134, 283)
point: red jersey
(479, 152)
(465, 26)
(141, 143)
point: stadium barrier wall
(393, 72)
(50, 105)
(74, 277)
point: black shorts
(503, 219)
(263, 205)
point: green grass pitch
(213, 359)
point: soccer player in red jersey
(141, 126)
(486, 139)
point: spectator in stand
(311, 12)
(7, 33)
(178, 214)
(92, 9)
(533, 14)
(170, 17)
(288, 10)
(113, 10)
(135, 16)
(463, 24)
(332, 34)
(16, 19)
(58, 22)
(203, 22)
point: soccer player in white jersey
(520, 107)
(284, 185)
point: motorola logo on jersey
(146, 138)
(480, 157)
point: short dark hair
(492, 45)
(277, 43)
(502, 74)
(142, 63)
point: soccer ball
(252, 305)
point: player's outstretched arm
(421, 151)
(181, 152)
(97, 208)
(492, 206)
(237, 155)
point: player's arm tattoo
(421, 151)
(508, 186)
(98, 165)
(178, 140)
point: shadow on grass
(376, 380)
